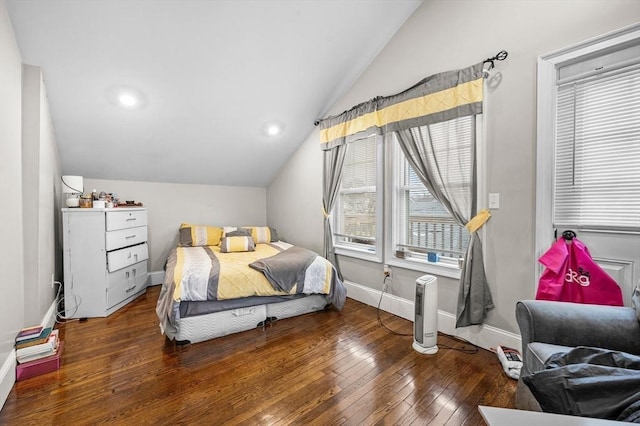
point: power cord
(471, 351)
(384, 289)
(59, 312)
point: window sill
(440, 269)
(359, 253)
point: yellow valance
(436, 98)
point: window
(356, 218)
(597, 155)
(418, 226)
(423, 231)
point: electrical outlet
(387, 271)
(53, 280)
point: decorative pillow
(237, 244)
(261, 234)
(635, 300)
(240, 232)
(226, 229)
(235, 231)
(199, 235)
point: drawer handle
(131, 218)
(130, 289)
(130, 236)
(126, 274)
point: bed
(224, 280)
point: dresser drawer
(126, 237)
(122, 258)
(125, 275)
(126, 219)
(122, 290)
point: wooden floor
(325, 368)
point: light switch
(494, 201)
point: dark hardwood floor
(325, 368)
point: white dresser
(105, 259)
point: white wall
(50, 202)
(41, 188)
(443, 35)
(294, 198)
(11, 246)
(170, 204)
(29, 184)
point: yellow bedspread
(199, 276)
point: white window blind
(597, 160)
(358, 196)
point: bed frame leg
(267, 321)
(181, 343)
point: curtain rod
(500, 56)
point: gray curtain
(441, 171)
(435, 99)
(332, 176)
(474, 296)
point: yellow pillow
(199, 235)
(237, 244)
(261, 234)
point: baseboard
(484, 336)
(156, 277)
(49, 319)
(7, 376)
(390, 303)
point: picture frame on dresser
(105, 259)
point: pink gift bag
(571, 275)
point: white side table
(495, 416)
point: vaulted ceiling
(206, 79)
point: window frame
(361, 251)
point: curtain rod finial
(500, 56)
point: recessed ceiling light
(127, 100)
(126, 97)
(273, 129)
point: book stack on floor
(38, 351)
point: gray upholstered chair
(551, 327)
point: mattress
(203, 327)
